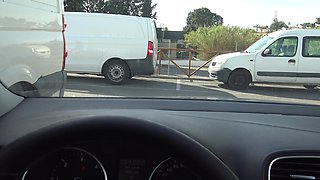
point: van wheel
(310, 86)
(116, 72)
(239, 80)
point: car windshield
(162, 49)
(259, 44)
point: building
(172, 39)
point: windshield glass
(162, 49)
(259, 44)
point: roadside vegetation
(220, 39)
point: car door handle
(292, 61)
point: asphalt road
(95, 86)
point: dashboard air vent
(295, 168)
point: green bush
(220, 39)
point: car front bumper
(220, 74)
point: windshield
(162, 49)
(257, 46)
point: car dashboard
(125, 159)
(159, 139)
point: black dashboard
(130, 139)
(124, 158)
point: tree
(124, 7)
(277, 25)
(318, 20)
(261, 28)
(94, 6)
(308, 25)
(202, 17)
(148, 8)
(143, 8)
(74, 5)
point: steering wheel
(18, 156)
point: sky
(243, 13)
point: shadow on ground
(139, 87)
(295, 92)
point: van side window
(283, 47)
(311, 47)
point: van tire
(116, 72)
(239, 80)
(310, 86)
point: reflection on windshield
(259, 44)
(101, 49)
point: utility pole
(275, 18)
(162, 26)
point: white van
(32, 48)
(116, 46)
(290, 56)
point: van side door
(279, 61)
(309, 64)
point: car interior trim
(287, 157)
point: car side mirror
(267, 52)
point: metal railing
(190, 69)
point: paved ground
(95, 86)
(174, 71)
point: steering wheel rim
(27, 149)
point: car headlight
(220, 63)
(217, 63)
(213, 63)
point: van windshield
(255, 47)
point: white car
(290, 56)
(116, 46)
(32, 48)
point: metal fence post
(190, 63)
(159, 65)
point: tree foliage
(202, 17)
(148, 8)
(220, 39)
(74, 5)
(308, 25)
(261, 28)
(94, 6)
(277, 25)
(143, 8)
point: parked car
(116, 46)
(290, 56)
(32, 47)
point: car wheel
(310, 86)
(116, 72)
(239, 80)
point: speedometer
(68, 163)
(172, 169)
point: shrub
(220, 39)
